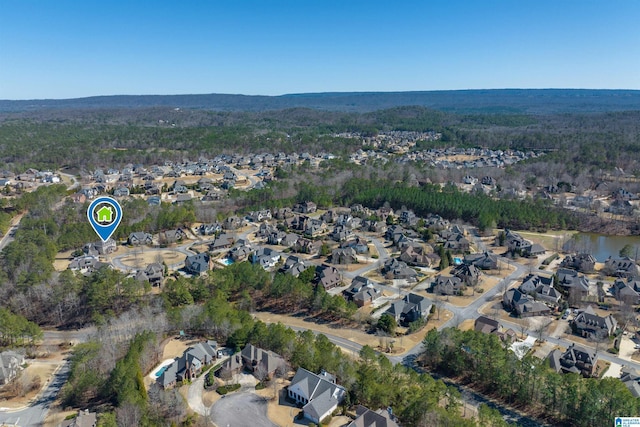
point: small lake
(602, 246)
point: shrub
(227, 388)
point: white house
(319, 394)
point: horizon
(323, 93)
(70, 50)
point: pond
(602, 246)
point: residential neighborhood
(397, 273)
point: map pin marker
(104, 215)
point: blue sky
(67, 49)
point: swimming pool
(457, 261)
(161, 371)
(226, 261)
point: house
(189, 365)
(409, 309)
(232, 223)
(267, 258)
(85, 264)
(223, 241)
(341, 233)
(183, 198)
(483, 261)
(627, 292)
(468, 273)
(365, 417)
(306, 207)
(447, 285)
(307, 246)
(153, 273)
(516, 244)
(488, 180)
(621, 267)
(541, 288)
(294, 266)
(587, 324)
(261, 363)
(408, 218)
(256, 359)
(319, 394)
(258, 216)
(291, 239)
(362, 292)
(197, 264)
(82, 419)
(100, 247)
(10, 365)
(172, 236)
(315, 227)
(394, 269)
(486, 325)
(416, 255)
(343, 256)
(79, 198)
(577, 360)
(240, 253)
(523, 305)
(456, 243)
(582, 262)
(572, 282)
(282, 213)
(139, 238)
(209, 229)
(631, 380)
(328, 277)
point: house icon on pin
(105, 214)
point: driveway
(244, 409)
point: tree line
(486, 363)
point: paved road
(34, 415)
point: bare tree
(542, 329)
(261, 373)
(128, 415)
(600, 338)
(524, 324)
(438, 303)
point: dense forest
(565, 399)
(538, 101)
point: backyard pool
(226, 261)
(457, 261)
(161, 371)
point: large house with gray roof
(409, 309)
(577, 360)
(197, 264)
(319, 394)
(587, 324)
(189, 365)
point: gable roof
(321, 393)
(368, 418)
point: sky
(78, 48)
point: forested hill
(527, 101)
